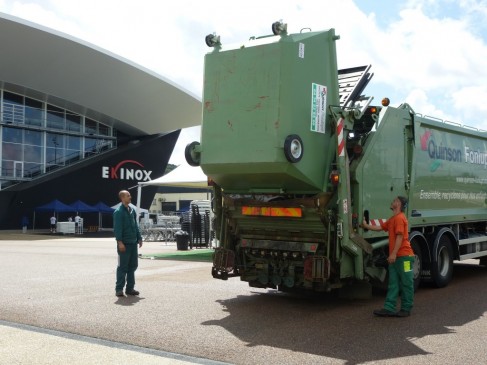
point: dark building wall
(93, 180)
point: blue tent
(54, 206)
(79, 206)
(103, 208)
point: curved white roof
(54, 67)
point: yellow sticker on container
(407, 266)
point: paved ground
(66, 284)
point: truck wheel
(293, 148)
(442, 267)
(418, 263)
(483, 261)
(192, 158)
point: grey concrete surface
(23, 344)
(67, 284)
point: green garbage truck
(299, 156)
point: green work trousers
(401, 280)
(127, 264)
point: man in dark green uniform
(128, 236)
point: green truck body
(298, 158)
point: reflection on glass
(7, 168)
(13, 98)
(103, 130)
(73, 122)
(55, 140)
(32, 169)
(34, 113)
(90, 126)
(12, 151)
(12, 135)
(33, 137)
(55, 117)
(32, 153)
(74, 143)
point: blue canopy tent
(54, 206)
(82, 207)
(102, 208)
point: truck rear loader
(298, 156)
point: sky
(431, 54)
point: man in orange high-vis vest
(401, 260)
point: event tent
(183, 176)
(55, 206)
(137, 209)
(82, 207)
(103, 208)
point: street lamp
(55, 143)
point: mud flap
(223, 263)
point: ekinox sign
(122, 171)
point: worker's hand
(392, 258)
(140, 243)
(121, 247)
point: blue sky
(431, 54)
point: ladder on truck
(351, 83)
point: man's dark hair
(404, 203)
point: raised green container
(258, 94)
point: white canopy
(137, 209)
(183, 176)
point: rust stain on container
(209, 106)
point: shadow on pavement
(347, 330)
(128, 300)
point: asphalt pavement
(58, 306)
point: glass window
(55, 140)
(32, 153)
(72, 156)
(91, 126)
(55, 117)
(33, 138)
(73, 143)
(12, 135)
(7, 168)
(103, 130)
(90, 146)
(34, 114)
(12, 151)
(55, 156)
(13, 98)
(73, 122)
(32, 169)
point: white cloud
(472, 102)
(430, 57)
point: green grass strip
(190, 255)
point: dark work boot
(384, 313)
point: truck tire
(442, 265)
(293, 148)
(483, 261)
(418, 263)
(192, 158)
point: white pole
(139, 194)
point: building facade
(79, 123)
